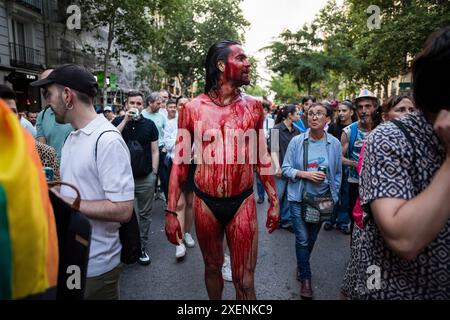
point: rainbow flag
(28, 240)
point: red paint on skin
(242, 237)
(237, 67)
(223, 112)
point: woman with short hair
(313, 164)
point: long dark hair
(349, 104)
(219, 51)
(285, 111)
(430, 72)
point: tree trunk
(181, 84)
(385, 87)
(309, 88)
(105, 62)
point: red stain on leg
(242, 237)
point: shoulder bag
(315, 209)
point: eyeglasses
(319, 115)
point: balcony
(35, 5)
(25, 57)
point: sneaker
(345, 230)
(160, 196)
(327, 226)
(144, 259)
(190, 243)
(226, 269)
(180, 251)
(288, 227)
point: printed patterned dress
(395, 167)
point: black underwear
(223, 209)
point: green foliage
(151, 74)
(285, 89)
(338, 52)
(192, 30)
(131, 26)
(299, 55)
(256, 91)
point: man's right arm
(345, 160)
(178, 175)
(181, 162)
(121, 125)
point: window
(393, 87)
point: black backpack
(129, 233)
(74, 237)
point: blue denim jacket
(293, 162)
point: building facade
(34, 37)
(22, 49)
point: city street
(275, 278)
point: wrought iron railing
(32, 4)
(22, 56)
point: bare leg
(210, 238)
(242, 238)
(181, 211)
(189, 211)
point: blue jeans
(340, 214)
(259, 187)
(305, 238)
(285, 214)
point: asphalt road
(275, 278)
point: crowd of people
(376, 171)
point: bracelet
(171, 212)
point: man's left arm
(264, 171)
(116, 179)
(107, 210)
(155, 156)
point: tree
(256, 91)
(131, 26)
(194, 28)
(285, 89)
(338, 44)
(150, 73)
(300, 55)
(383, 53)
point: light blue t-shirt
(317, 156)
(54, 133)
(160, 122)
(353, 176)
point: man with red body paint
(224, 201)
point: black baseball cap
(72, 76)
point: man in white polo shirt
(96, 160)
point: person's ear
(221, 66)
(67, 95)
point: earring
(69, 106)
